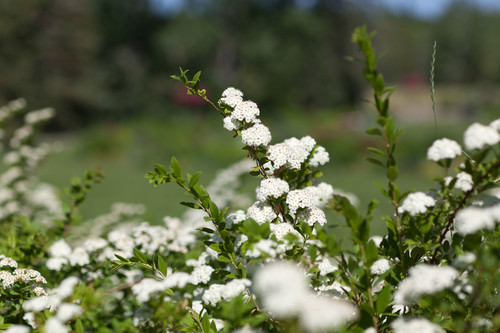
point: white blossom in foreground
(257, 135)
(54, 325)
(472, 219)
(380, 266)
(442, 149)
(217, 292)
(416, 203)
(272, 187)
(285, 293)
(422, 280)
(495, 124)
(477, 136)
(418, 325)
(283, 288)
(18, 329)
(464, 182)
(68, 311)
(322, 313)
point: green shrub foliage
(263, 264)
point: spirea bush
(262, 264)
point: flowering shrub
(269, 264)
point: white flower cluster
(63, 311)
(261, 212)
(415, 325)
(12, 108)
(35, 117)
(224, 292)
(292, 153)
(149, 286)
(380, 266)
(424, 279)
(10, 274)
(464, 182)
(416, 203)
(443, 149)
(244, 118)
(285, 293)
(471, 219)
(298, 199)
(272, 187)
(476, 136)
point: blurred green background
(104, 65)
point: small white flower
(476, 136)
(232, 97)
(272, 187)
(17, 329)
(320, 157)
(464, 182)
(313, 215)
(415, 325)
(261, 212)
(54, 325)
(300, 198)
(416, 203)
(245, 111)
(424, 279)
(380, 266)
(442, 149)
(257, 135)
(67, 311)
(60, 249)
(472, 219)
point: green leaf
(215, 211)
(194, 179)
(78, 326)
(176, 168)
(162, 266)
(207, 230)
(377, 151)
(392, 172)
(371, 253)
(374, 131)
(141, 256)
(375, 161)
(384, 297)
(191, 205)
(223, 258)
(205, 323)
